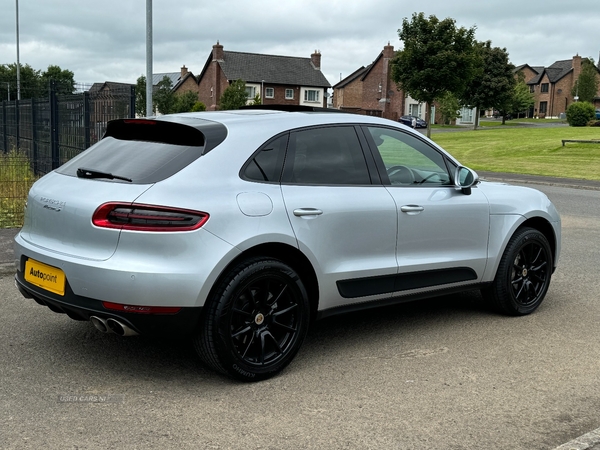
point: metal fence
(39, 135)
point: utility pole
(149, 58)
(18, 61)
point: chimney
(184, 71)
(388, 51)
(315, 58)
(576, 67)
(217, 54)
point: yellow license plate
(47, 277)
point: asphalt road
(439, 374)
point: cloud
(106, 40)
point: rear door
(344, 220)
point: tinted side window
(326, 156)
(267, 162)
(408, 160)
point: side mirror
(465, 179)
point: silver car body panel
(143, 272)
(451, 230)
(59, 215)
(510, 207)
(351, 235)
(361, 231)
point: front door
(442, 233)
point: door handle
(302, 212)
(411, 209)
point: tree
(586, 85)
(437, 58)
(29, 82)
(140, 96)
(64, 82)
(163, 96)
(234, 96)
(185, 102)
(494, 82)
(256, 100)
(449, 107)
(34, 84)
(523, 98)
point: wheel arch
(504, 226)
(544, 227)
(287, 254)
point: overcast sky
(106, 40)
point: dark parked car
(407, 120)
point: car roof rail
(292, 108)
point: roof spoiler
(154, 131)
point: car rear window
(146, 151)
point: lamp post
(149, 58)
(18, 61)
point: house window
(532, 88)
(414, 109)
(250, 92)
(269, 93)
(544, 87)
(289, 94)
(311, 95)
(543, 107)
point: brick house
(182, 81)
(370, 90)
(109, 100)
(277, 79)
(552, 86)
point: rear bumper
(184, 322)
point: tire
(523, 276)
(255, 322)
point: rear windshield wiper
(89, 173)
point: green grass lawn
(534, 151)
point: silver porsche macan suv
(239, 228)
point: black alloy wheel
(256, 321)
(524, 273)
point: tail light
(147, 217)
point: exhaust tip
(100, 324)
(119, 328)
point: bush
(594, 123)
(198, 106)
(580, 113)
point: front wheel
(256, 320)
(524, 273)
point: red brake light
(139, 217)
(140, 121)
(142, 309)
